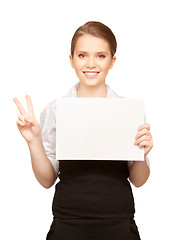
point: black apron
(93, 201)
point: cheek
(105, 66)
(79, 65)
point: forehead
(89, 43)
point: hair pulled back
(96, 29)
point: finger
(19, 122)
(145, 125)
(145, 144)
(143, 138)
(29, 104)
(142, 132)
(22, 118)
(29, 119)
(19, 105)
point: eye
(81, 55)
(101, 56)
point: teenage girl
(93, 199)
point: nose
(91, 62)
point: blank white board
(98, 128)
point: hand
(144, 138)
(27, 123)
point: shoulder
(116, 95)
(49, 110)
(112, 93)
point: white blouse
(48, 126)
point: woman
(93, 199)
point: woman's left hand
(144, 138)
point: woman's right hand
(27, 123)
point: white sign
(98, 128)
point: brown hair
(96, 29)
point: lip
(91, 74)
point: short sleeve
(48, 133)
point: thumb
(30, 119)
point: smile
(90, 74)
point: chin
(93, 82)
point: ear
(112, 62)
(71, 60)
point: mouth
(90, 74)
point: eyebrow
(101, 52)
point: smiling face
(91, 60)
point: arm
(30, 130)
(41, 165)
(139, 170)
(139, 173)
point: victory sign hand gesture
(27, 123)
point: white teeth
(91, 74)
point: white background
(35, 41)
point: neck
(91, 91)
